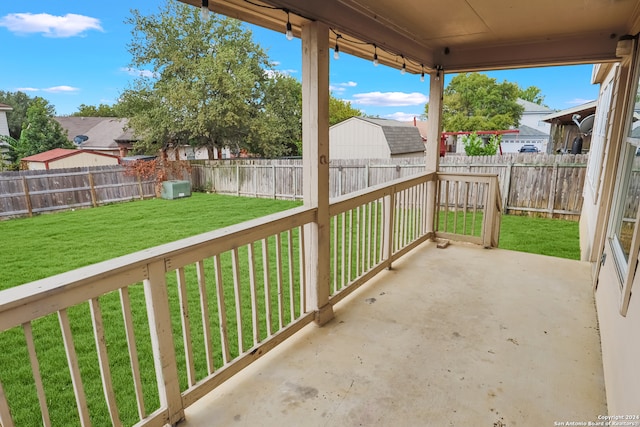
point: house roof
(59, 153)
(103, 132)
(527, 131)
(456, 35)
(533, 108)
(5, 107)
(565, 116)
(402, 137)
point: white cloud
(403, 117)
(60, 89)
(578, 101)
(390, 99)
(139, 73)
(69, 25)
(53, 89)
(341, 87)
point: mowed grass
(45, 245)
(49, 244)
(553, 237)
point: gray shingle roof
(529, 131)
(403, 138)
(102, 131)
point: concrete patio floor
(461, 336)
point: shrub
(476, 146)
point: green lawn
(49, 244)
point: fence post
(554, 188)
(157, 301)
(92, 187)
(25, 185)
(507, 186)
(273, 183)
(237, 179)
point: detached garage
(365, 138)
(62, 158)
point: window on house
(599, 137)
(627, 197)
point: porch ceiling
(458, 35)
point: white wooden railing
(137, 339)
(469, 208)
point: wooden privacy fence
(530, 184)
(282, 178)
(29, 192)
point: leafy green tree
(474, 101)
(40, 132)
(102, 110)
(207, 85)
(474, 145)
(340, 110)
(20, 102)
(532, 94)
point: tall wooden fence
(26, 193)
(532, 184)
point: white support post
(156, 296)
(434, 132)
(315, 149)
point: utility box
(175, 189)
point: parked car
(528, 148)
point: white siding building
(365, 138)
(4, 125)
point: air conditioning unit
(175, 189)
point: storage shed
(365, 138)
(61, 158)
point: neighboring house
(564, 129)
(61, 158)
(513, 142)
(4, 125)
(365, 138)
(187, 152)
(104, 134)
(533, 116)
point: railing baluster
(5, 413)
(186, 326)
(456, 201)
(206, 321)
(303, 268)
(292, 296)
(280, 280)
(446, 205)
(237, 292)
(74, 369)
(267, 286)
(255, 319)
(350, 246)
(343, 244)
(103, 359)
(376, 251)
(369, 229)
(334, 258)
(35, 369)
(222, 311)
(476, 185)
(357, 254)
(465, 208)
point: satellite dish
(79, 139)
(586, 125)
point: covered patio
(455, 336)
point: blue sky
(74, 52)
